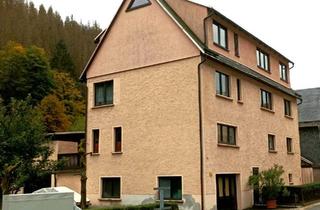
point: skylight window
(135, 4)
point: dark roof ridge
(314, 88)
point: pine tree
(61, 58)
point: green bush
(152, 206)
(301, 194)
(268, 182)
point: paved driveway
(317, 207)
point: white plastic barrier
(41, 201)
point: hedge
(301, 194)
(152, 206)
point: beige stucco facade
(67, 178)
(154, 66)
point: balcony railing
(70, 161)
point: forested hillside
(21, 22)
(41, 58)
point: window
(236, 45)
(222, 84)
(220, 35)
(283, 72)
(263, 60)
(289, 145)
(271, 143)
(226, 134)
(135, 4)
(95, 136)
(110, 187)
(290, 179)
(266, 99)
(287, 108)
(239, 94)
(103, 93)
(174, 185)
(118, 139)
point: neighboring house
(306, 171)
(180, 96)
(309, 127)
(65, 147)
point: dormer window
(136, 4)
(220, 35)
(263, 60)
(283, 72)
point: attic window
(136, 4)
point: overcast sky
(289, 26)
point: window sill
(103, 106)
(95, 154)
(109, 199)
(228, 145)
(224, 97)
(221, 47)
(268, 110)
(290, 153)
(289, 117)
(273, 151)
(173, 201)
(283, 80)
(116, 153)
(265, 70)
(240, 101)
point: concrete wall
(192, 14)
(70, 180)
(158, 111)
(138, 38)
(67, 147)
(253, 126)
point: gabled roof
(309, 110)
(203, 49)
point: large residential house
(180, 96)
(309, 127)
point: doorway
(226, 192)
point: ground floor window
(110, 187)
(174, 185)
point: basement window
(136, 4)
(111, 187)
(173, 185)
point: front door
(226, 192)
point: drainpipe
(202, 148)
(201, 133)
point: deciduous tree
(24, 71)
(23, 145)
(54, 116)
